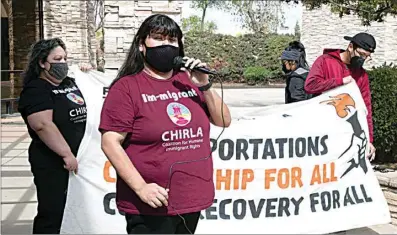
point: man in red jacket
(337, 67)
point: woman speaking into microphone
(155, 126)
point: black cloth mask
(161, 58)
(357, 62)
(284, 68)
(58, 70)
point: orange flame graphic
(341, 103)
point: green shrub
(383, 81)
(257, 74)
(231, 55)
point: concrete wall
(323, 29)
(123, 18)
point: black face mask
(58, 70)
(161, 58)
(357, 62)
(284, 68)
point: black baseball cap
(363, 40)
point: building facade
(73, 21)
(122, 20)
(323, 29)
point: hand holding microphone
(198, 71)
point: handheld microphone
(179, 61)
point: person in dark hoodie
(337, 67)
(298, 46)
(295, 67)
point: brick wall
(69, 21)
(123, 18)
(26, 31)
(323, 29)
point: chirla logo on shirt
(75, 98)
(179, 114)
(181, 139)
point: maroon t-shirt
(167, 122)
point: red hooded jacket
(328, 71)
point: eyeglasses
(364, 55)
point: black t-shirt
(69, 115)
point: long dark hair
(154, 24)
(39, 53)
(296, 45)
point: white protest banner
(296, 168)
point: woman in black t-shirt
(54, 111)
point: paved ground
(18, 198)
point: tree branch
(368, 11)
(99, 11)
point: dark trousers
(147, 224)
(51, 185)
